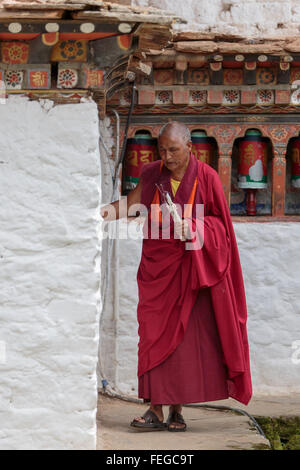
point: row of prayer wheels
(143, 149)
(252, 160)
(253, 165)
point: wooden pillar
(279, 135)
(224, 169)
(278, 180)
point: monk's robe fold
(171, 273)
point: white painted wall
(50, 255)
(246, 17)
(271, 270)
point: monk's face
(174, 151)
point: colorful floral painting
(266, 76)
(233, 76)
(14, 52)
(225, 133)
(198, 76)
(70, 50)
(67, 78)
(14, 79)
(198, 97)
(265, 97)
(163, 97)
(279, 133)
(231, 97)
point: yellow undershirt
(175, 184)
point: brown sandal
(152, 423)
(174, 418)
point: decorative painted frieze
(197, 97)
(231, 97)
(233, 76)
(198, 76)
(39, 77)
(50, 39)
(265, 97)
(92, 78)
(67, 76)
(163, 97)
(70, 50)
(221, 96)
(13, 52)
(14, 79)
(265, 76)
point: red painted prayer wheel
(253, 161)
(202, 147)
(296, 163)
(139, 150)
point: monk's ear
(189, 145)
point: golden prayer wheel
(202, 147)
(296, 163)
(139, 150)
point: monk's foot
(157, 409)
(175, 419)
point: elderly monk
(193, 344)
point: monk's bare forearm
(115, 210)
(121, 208)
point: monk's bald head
(174, 146)
(176, 129)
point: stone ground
(207, 429)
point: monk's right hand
(118, 209)
(108, 212)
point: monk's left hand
(182, 230)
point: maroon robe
(170, 278)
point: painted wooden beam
(61, 26)
(283, 74)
